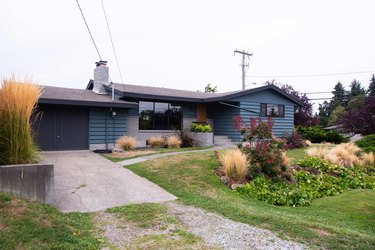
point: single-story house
(93, 118)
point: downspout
(234, 106)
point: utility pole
(244, 64)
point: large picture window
(159, 116)
(272, 110)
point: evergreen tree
(339, 95)
(324, 113)
(371, 88)
(356, 89)
(210, 89)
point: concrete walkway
(86, 182)
(151, 157)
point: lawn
(344, 221)
(30, 225)
(148, 151)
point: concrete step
(224, 141)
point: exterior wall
(105, 130)
(222, 114)
(222, 119)
(189, 115)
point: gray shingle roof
(157, 93)
(82, 97)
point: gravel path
(219, 231)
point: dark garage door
(62, 128)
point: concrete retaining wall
(33, 181)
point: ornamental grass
(235, 163)
(174, 142)
(126, 142)
(17, 105)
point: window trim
(170, 105)
(263, 110)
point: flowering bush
(264, 150)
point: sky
(188, 44)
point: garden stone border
(32, 181)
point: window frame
(169, 115)
(264, 109)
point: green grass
(341, 222)
(155, 151)
(30, 225)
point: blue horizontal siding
(105, 129)
(281, 125)
(222, 116)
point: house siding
(249, 106)
(222, 117)
(105, 130)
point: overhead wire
(314, 75)
(113, 46)
(88, 29)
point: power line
(88, 29)
(113, 46)
(314, 75)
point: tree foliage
(210, 89)
(304, 114)
(371, 88)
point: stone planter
(203, 139)
(32, 181)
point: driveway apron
(87, 182)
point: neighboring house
(74, 119)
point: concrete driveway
(86, 182)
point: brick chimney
(101, 78)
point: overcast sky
(187, 44)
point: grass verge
(30, 225)
(341, 222)
(151, 151)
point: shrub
(173, 142)
(156, 141)
(367, 143)
(314, 178)
(347, 154)
(17, 104)
(203, 128)
(126, 142)
(186, 138)
(317, 135)
(263, 150)
(293, 140)
(235, 163)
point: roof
(82, 97)
(156, 93)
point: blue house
(93, 118)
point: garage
(62, 128)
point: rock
(224, 179)
(235, 185)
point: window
(272, 110)
(159, 116)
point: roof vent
(101, 78)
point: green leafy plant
(367, 143)
(317, 135)
(200, 128)
(313, 178)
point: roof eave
(86, 103)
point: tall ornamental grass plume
(126, 142)
(174, 141)
(17, 104)
(235, 163)
(347, 154)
